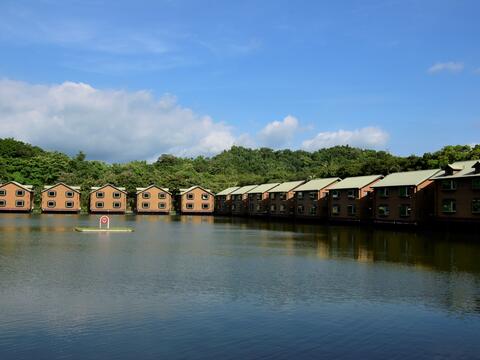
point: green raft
(96, 229)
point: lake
(206, 288)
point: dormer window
(476, 166)
(450, 170)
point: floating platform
(96, 229)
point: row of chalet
(63, 198)
(450, 195)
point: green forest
(32, 165)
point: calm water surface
(199, 287)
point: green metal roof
(260, 189)
(286, 186)
(356, 182)
(244, 189)
(407, 178)
(464, 168)
(228, 191)
(317, 184)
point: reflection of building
(223, 201)
(239, 201)
(197, 219)
(352, 198)
(281, 199)
(258, 199)
(457, 192)
(311, 198)
(404, 197)
(61, 198)
(108, 199)
(153, 200)
(196, 200)
(16, 197)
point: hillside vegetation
(238, 166)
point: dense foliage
(238, 166)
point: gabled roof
(73, 188)
(464, 168)
(260, 189)
(286, 186)
(142, 189)
(356, 182)
(244, 189)
(317, 184)
(96, 188)
(407, 178)
(184, 191)
(24, 187)
(228, 191)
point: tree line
(28, 164)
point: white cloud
(279, 133)
(107, 124)
(451, 66)
(367, 137)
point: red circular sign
(104, 219)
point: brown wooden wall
(60, 199)
(196, 204)
(464, 194)
(153, 204)
(108, 201)
(9, 200)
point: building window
(351, 210)
(475, 184)
(100, 194)
(313, 195)
(352, 194)
(282, 208)
(300, 195)
(449, 206)
(3, 203)
(51, 204)
(20, 193)
(258, 207)
(19, 203)
(272, 196)
(313, 210)
(117, 195)
(233, 207)
(405, 210)
(205, 196)
(69, 204)
(205, 206)
(449, 185)
(161, 205)
(335, 209)
(335, 194)
(145, 205)
(273, 208)
(189, 206)
(117, 205)
(404, 191)
(259, 196)
(3, 192)
(383, 210)
(283, 196)
(300, 209)
(146, 195)
(99, 204)
(52, 193)
(383, 192)
(476, 206)
(161, 196)
(69, 194)
(190, 196)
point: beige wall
(60, 199)
(196, 203)
(10, 198)
(153, 201)
(108, 201)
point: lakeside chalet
(153, 200)
(196, 200)
(311, 198)
(61, 198)
(240, 200)
(223, 201)
(281, 199)
(351, 199)
(405, 197)
(258, 199)
(15, 197)
(108, 199)
(457, 192)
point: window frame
(51, 193)
(19, 193)
(3, 203)
(474, 185)
(383, 210)
(69, 194)
(205, 206)
(67, 206)
(116, 195)
(162, 205)
(452, 187)
(190, 196)
(145, 205)
(98, 206)
(189, 206)
(19, 201)
(408, 211)
(452, 210)
(117, 205)
(336, 209)
(404, 191)
(51, 204)
(351, 213)
(205, 197)
(335, 194)
(162, 196)
(146, 195)
(100, 194)
(3, 192)
(475, 212)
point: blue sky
(126, 80)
